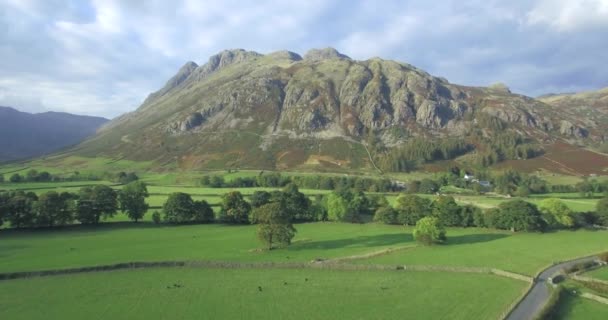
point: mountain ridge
(25, 135)
(281, 100)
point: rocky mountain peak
(324, 54)
(285, 55)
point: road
(538, 296)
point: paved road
(536, 298)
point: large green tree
(234, 208)
(20, 209)
(297, 203)
(132, 200)
(447, 211)
(602, 212)
(260, 198)
(386, 215)
(337, 207)
(179, 208)
(411, 208)
(95, 203)
(429, 230)
(274, 224)
(556, 213)
(53, 209)
(519, 215)
(203, 213)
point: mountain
(591, 107)
(327, 111)
(25, 135)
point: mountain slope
(281, 110)
(590, 106)
(25, 135)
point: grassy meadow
(578, 308)
(234, 294)
(285, 294)
(524, 253)
(601, 273)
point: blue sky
(103, 57)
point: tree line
(89, 206)
(34, 175)
(318, 182)
(515, 215)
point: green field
(578, 308)
(601, 273)
(234, 294)
(524, 253)
(113, 243)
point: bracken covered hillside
(325, 110)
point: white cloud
(569, 15)
(105, 56)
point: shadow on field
(362, 241)
(474, 238)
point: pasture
(601, 273)
(578, 308)
(259, 294)
(110, 243)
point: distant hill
(26, 135)
(326, 111)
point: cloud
(568, 16)
(105, 56)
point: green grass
(234, 294)
(48, 186)
(524, 253)
(601, 273)
(574, 307)
(113, 243)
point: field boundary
(594, 297)
(323, 265)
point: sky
(103, 57)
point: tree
(203, 213)
(18, 209)
(156, 218)
(234, 208)
(411, 208)
(16, 178)
(447, 211)
(428, 186)
(522, 191)
(260, 198)
(556, 213)
(31, 175)
(1, 178)
(602, 212)
(297, 203)
(94, 203)
(429, 230)
(585, 188)
(179, 208)
(519, 215)
(274, 224)
(132, 200)
(53, 209)
(386, 215)
(337, 207)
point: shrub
(386, 215)
(429, 231)
(156, 217)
